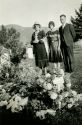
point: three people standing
(60, 43)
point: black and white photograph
(40, 62)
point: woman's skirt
(55, 55)
(41, 58)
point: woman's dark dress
(39, 50)
(54, 54)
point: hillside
(25, 32)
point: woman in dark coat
(39, 50)
(53, 38)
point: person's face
(37, 27)
(51, 26)
(63, 20)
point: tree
(77, 22)
(3, 35)
(10, 39)
(13, 38)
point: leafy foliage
(10, 39)
(3, 35)
(77, 22)
(23, 87)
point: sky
(26, 12)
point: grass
(77, 74)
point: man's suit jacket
(67, 34)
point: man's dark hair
(63, 15)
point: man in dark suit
(67, 37)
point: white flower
(65, 94)
(53, 95)
(51, 112)
(60, 105)
(61, 97)
(23, 102)
(58, 80)
(41, 114)
(47, 75)
(7, 75)
(16, 108)
(47, 86)
(79, 97)
(62, 72)
(67, 78)
(70, 105)
(58, 83)
(68, 85)
(1, 67)
(17, 103)
(40, 80)
(74, 93)
(1, 86)
(10, 104)
(71, 100)
(17, 98)
(3, 103)
(53, 76)
(3, 91)
(63, 104)
(5, 59)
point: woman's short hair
(51, 23)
